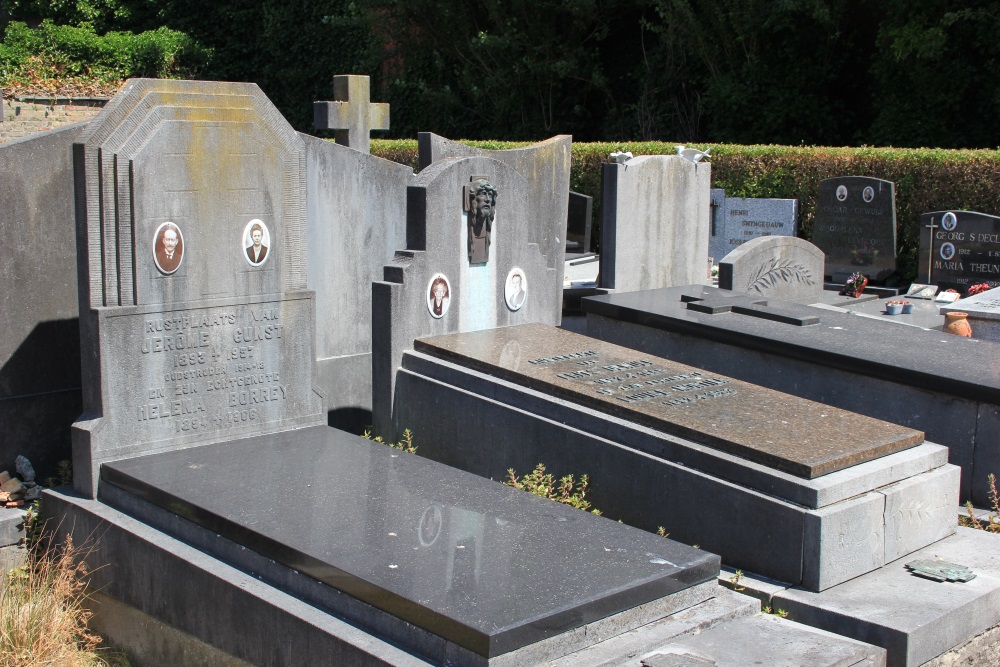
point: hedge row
(75, 60)
(926, 179)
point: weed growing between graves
(992, 521)
(566, 491)
(43, 608)
(404, 445)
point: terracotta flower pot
(857, 289)
(958, 324)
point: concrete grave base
(167, 602)
(919, 621)
(926, 380)
(916, 619)
(816, 533)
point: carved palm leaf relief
(776, 271)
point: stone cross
(930, 250)
(352, 116)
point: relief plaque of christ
(480, 207)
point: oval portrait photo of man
(515, 289)
(256, 242)
(168, 248)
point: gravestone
(781, 267)
(199, 376)
(195, 323)
(855, 226)
(579, 221)
(351, 115)
(813, 495)
(654, 222)
(984, 313)
(355, 221)
(39, 334)
(434, 287)
(959, 249)
(736, 220)
(546, 165)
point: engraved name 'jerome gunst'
(216, 371)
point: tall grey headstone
(736, 220)
(195, 323)
(351, 115)
(959, 249)
(39, 329)
(432, 288)
(654, 223)
(855, 226)
(355, 222)
(546, 166)
(780, 267)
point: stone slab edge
(255, 613)
(815, 493)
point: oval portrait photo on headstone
(256, 242)
(168, 248)
(868, 194)
(841, 192)
(515, 289)
(438, 295)
(947, 251)
(949, 221)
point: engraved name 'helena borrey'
(636, 381)
(214, 367)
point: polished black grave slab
(485, 566)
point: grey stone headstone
(736, 220)
(477, 296)
(351, 114)
(654, 223)
(39, 328)
(216, 341)
(855, 226)
(355, 221)
(780, 267)
(546, 166)
(959, 249)
(579, 222)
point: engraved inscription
(219, 368)
(637, 381)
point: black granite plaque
(959, 249)
(483, 565)
(855, 225)
(785, 432)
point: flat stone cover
(792, 434)
(483, 565)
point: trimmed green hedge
(926, 179)
(75, 59)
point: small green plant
(63, 476)
(662, 532)
(736, 580)
(992, 521)
(404, 445)
(779, 612)
(566, 490)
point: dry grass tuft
(991, 522)
(43, 613)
